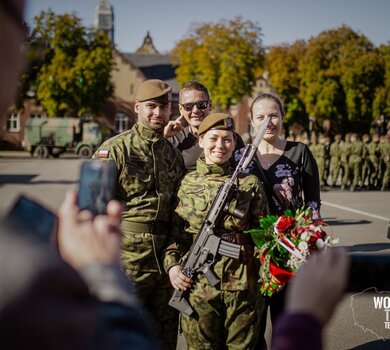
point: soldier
(365, 175)
(384, 149)
(335, 154)
(318, 150)
(374, 160)
(194, 105)
(345, 152)
(227, 315)
(355, 161)
(327, 159)
(149, 171)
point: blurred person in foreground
(82, 301)
(311, 300)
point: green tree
(340, 74)
(282, 64)
(381, 104)
(225, 56)
(70, 66)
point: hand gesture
(173, 127)
(178, 279)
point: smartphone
(96, 185)
(27, 215)
(369, 270)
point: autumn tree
(282, 64)
(381, 104)
(225, 56)
(70, 66)
(340, 73)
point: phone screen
(29, 216)
(96, 185)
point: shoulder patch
(103, 153)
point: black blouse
(292, 181)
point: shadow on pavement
(16, 179)
(26, 179)
(374, 345)
(345, 222)
(368, 247)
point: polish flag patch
(103, 153)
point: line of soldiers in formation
(354, 163)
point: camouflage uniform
(345, 152)
(384, 149)
(355, 162)
(335, 154)
(373, 157)
(318, 151)
(149, 171)
(365, 174)
(227, 314)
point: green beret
(218, 121)
(154, 89)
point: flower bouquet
(285, 243)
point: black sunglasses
(15, 14)
(200, 105)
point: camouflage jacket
(345, 150)
(196, 194)
(356, 151)
(335, 150)
(149, 171)
(373, 151)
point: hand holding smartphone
(96, 185)
(28, 216)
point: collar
(147, 133)
(204, 169)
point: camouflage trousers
(224, 319)
(335, 169)
(152, 286)
(355, 170)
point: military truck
(54, 136)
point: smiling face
(218, 146)
(153, 114)
(192, 108)
(264, 108)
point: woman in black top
(287, 170)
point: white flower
(320, 243)
(304, 236)
(303, 246)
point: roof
(154, 66)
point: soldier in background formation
(354, 163)
(318, 150)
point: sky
(282, 21)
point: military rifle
(207, 244)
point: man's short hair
(194, 85)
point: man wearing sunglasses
(194, 105)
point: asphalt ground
(359, 219)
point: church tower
(147, 47)
(104, 18)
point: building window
(121, 122)
(13, 124)
(37, 116)
(131, 89)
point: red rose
(284, 223)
